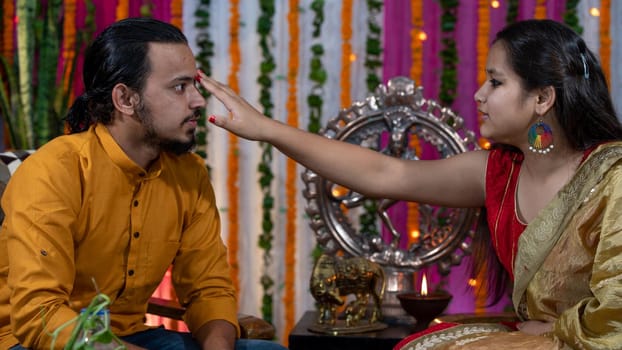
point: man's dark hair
(117, 55)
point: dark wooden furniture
(300, 338)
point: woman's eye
(495, 82)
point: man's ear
(545, 100)
(125, 99)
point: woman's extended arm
(457, 181)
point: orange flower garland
(416, 71)
(177, 13)
(233, 161)
(291, 177)
(123, 9)
(346, 52)
(540, 11)
(605, 38)
(483, 33)
(416, 43)
(69, 39)
(8, 9)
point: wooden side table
(301, 338)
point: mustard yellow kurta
(79, 210)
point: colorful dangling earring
(540, 137)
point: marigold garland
(416, 44)
(233, 161)
(177, 13)
(290, 181)
(605, 37)
(69, 39)
(267, 66)
(540, 11)
(346, 52)
(412, 220)
(483, 33)
(123, 9)
(416, 72)
(8, 31)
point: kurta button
(135, 203)
(136, 234)
(130, 272)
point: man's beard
(164, 144)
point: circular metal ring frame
(387, 122)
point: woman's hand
(244, 120)
(535, 327)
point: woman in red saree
(551, 187)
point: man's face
(170, 102)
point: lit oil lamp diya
(422, 306)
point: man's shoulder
(65, 150)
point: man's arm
(40, 216)
(216, 334)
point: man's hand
(216, 334)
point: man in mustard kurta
(118, 201)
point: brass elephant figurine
(332, 279)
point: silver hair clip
(586, 73)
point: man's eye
(495, 82)
(179, 87)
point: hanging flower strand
(204, 54)
(291, 176)
(8, 31)
(448, 54)
(267, 66)
(571, 17)
(373, 62)
(373, 47)
(346, 52)
(540, 10)
(177, 13)
(233, 161)
(317, 72)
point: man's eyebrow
(183, 79)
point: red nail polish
(212, 119)
(197, 78)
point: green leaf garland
(570, 16)
(267, 66)
(373, 62)
(449, 53)
(203, 57)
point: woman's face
(507, 109)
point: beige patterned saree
(568, 269)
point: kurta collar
(120, 158)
